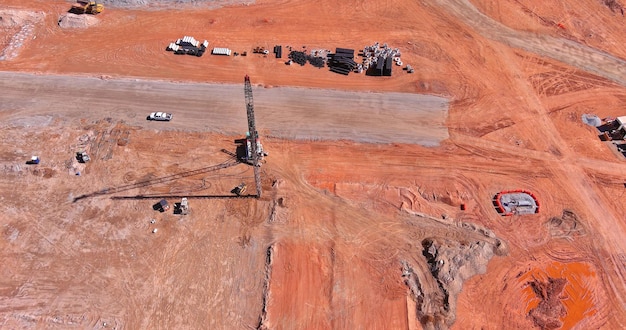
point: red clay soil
(566, 299)
(342, 218)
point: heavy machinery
(254, 148)
(87, 7)
(240, 189)
(182, 207)
(161, 206)
(82, 157)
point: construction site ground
(377, 192)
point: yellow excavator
(87, 7)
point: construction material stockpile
(298, 57)
(188, 45)
(262, 50)
(278, 50)
(342, 61)
(315, 59)
(378, 59)
(221, 51)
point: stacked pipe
(278, 50)
(298, 57)
(342, 61)
(188, 45)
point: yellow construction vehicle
(87, 7)
(240, 189)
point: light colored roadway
(294, 113)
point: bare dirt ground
(377, 207)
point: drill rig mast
(255, 148)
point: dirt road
(565, 166)
(575, 54)
(294, 113)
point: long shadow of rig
(169, 178)
(139, 197)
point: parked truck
(87, 7)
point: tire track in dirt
(565, 167)
(577, 55)
(379, 238)
(567, 170)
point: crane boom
(254, 136)
(251, 124)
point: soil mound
(566, 226)
(71, 21)
(450, 263)
(16, 18)
(550, 309)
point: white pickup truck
(160, 116)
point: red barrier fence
(501, 208)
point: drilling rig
(254, 149)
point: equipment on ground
(87, 7)
(161, 206)
(188, 45)
(33, 160)
(183, 207)
(82, 157)
(260, 50)
(240, 189)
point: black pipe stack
(342, 61)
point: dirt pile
(10, 18)
(566, 226)
(550, 309)
(615, 6)
(16, 28)
(71, 21)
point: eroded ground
(400, 233)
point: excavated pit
(450, 263)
